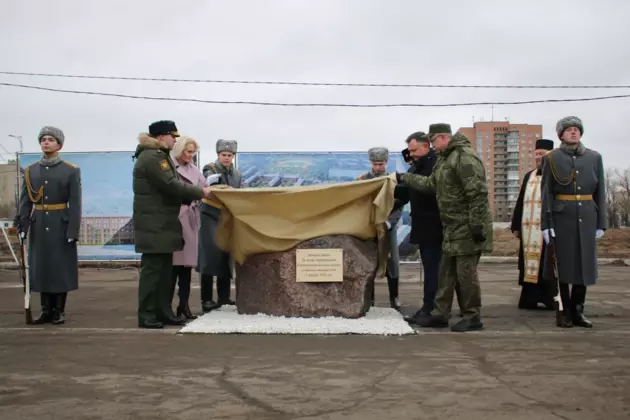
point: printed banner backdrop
(284, 169)
(106, 178)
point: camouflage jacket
(459, 180)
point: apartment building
(507, 151)
(8, 190)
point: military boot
(223, 291)
(392, 285)
(207, 303)
(578, 296)
(567, 313)
(46, 316)
(468, 324)
(58, 315)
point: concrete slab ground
(100, 366)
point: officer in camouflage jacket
(459, 181)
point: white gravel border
(378, 321)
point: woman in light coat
(183, 261)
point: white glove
(599, 233)
(22, 235)
(548, 234)
(212, 179)
(389, 226)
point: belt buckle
(578, 197)
(44, 206)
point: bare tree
(612, 204)
(623, 190)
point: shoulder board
(70, 164)
(213, 165)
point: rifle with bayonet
(551, 249)
(26, 280)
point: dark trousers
(223, 288)
(430, 256)
(155, 289)
(572, 302)
(182, 277)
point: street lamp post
(19, 138)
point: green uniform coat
(574, 221)
(53, 266)
(393, 262)
(158, 196)
(459, 180)
(212, 260)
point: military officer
(212, 260)
(378, 157)
(158, 194)
(50, 205)
(573, 215)
(459, 180)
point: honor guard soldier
(526, 227)
(50, 205)
(378, 157)
(158, 194)
(574, 215)
(459, 180)
(212, 260)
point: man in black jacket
(426, 226)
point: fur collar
(148, 142)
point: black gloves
(477, 233)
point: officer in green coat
(459, 180)
(158, 195)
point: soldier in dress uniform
(526, 227)
(378, 157)
(50, 205)
(573, 215)
(212, 260)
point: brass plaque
(319, 265)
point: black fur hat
(159, 128)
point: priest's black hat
(544, 144)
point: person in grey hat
(378, 157)
(50, 205)
(574, 216)
(212, 260)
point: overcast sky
(340, 41)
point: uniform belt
(51, 207)
(211, 203)
(573, 197)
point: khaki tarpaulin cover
(261, 220)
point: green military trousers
(155, 289)
(458, 270)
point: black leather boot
(58, 314)
(392, 285)
(578, 296)
(223, 291)
(207, 303)
(46, 316)
(184, 309)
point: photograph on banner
(287, 169)
(107, 203)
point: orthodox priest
(526, 220)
